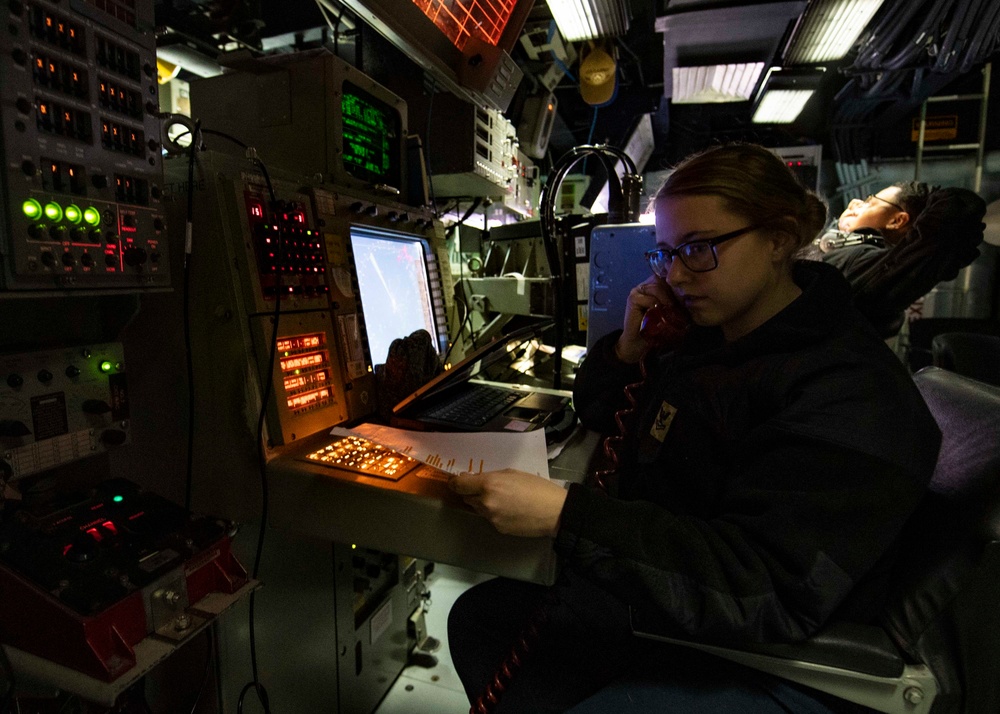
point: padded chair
(936, 649)
(968, 353)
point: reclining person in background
(896, 245)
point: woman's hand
(631, 345)
(515, 502)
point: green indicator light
(73, 214)
(53, 211)
(92, 216)
(106, 366)
(32, 209)
(117, 499)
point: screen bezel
(426, 252)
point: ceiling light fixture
(781, 106)
(715, 83)
(589, 19)
(784, 93)
(828, 29)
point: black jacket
(792, 460)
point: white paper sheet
(457, 452)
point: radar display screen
(372, 135)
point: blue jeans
(586, 661)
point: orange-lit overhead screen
(460, 19)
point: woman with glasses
(774, 450)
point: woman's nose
(677, 273)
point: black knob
(372, 210)
(86, 260)
(20, 57)
(135, 256)
(28, 168)
(94, 235)
(72, 371)
(13, 429)
(14, 380)
(48, 259)
(83, 548)
(78, 234)
(39, 232)
(44, 375)
(23, 106)
(158, 224)
(152, 108)
(110, 260)
(58, 232)
(154, 257)
(68, 259)
(99, 181)
(96, 406)
(113, 437)
(357, 207)
(111, 237)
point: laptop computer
(452, 402)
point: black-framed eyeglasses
(871, 197)
(698, 256)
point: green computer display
(371, 137)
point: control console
(89, 577)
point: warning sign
(938, 128)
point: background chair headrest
(968, 413)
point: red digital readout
(289, 364)
(307, 399)
(300, 342)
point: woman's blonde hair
(753, 183)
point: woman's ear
(783, 245)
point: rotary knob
(135, 257)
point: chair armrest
(864, 649)
(861, 648)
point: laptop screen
(395, 290)
(475, 363)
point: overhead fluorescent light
(589, 19)
(715, 83)
(784, 93)
(828, 29)
(781, 106)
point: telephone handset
(664, 326)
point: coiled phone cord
(613, 441)
(528, 637)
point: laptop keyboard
(476, 406)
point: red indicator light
(108, 525)
(95, 534)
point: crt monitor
(372, 132)
(394, 287)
